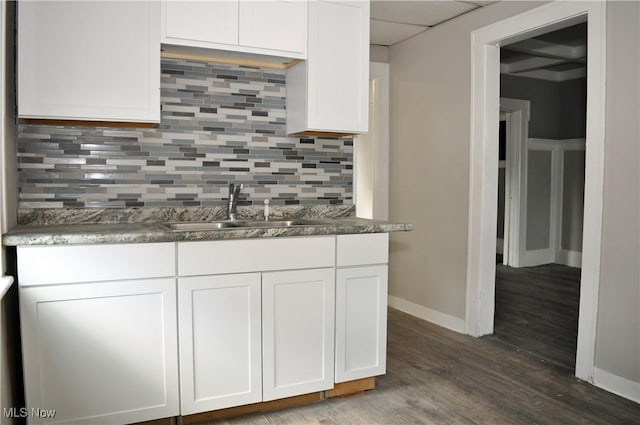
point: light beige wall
(378, 53)
(9, 328)
(430, 126)
(618, 333)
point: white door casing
(485, 58)
(371, 150)
(518, 132)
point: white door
(220, 349)
(297, 332)
(361, 322)
(101, 352)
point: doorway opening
(481, 263)
(537, 290)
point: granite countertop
(49, 232)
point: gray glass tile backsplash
(220, 124)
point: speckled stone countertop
(152, 225)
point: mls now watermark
(23, 412)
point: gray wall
(558, 109)
(572, 201)
(430, 127)
(538, 199)
(572, 96)
(501, 199)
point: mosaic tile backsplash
(220, 124)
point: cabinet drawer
(238, 256)
(370, 248)
(41, 265)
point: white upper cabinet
(329, 92)
(271, 27)
(197, 23)
(279, 25)
(93, 60)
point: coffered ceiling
(557, 56)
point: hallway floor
(537, 311)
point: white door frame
(518, 133)
(485, 93)
(378, 141)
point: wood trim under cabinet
(331, 134)
(81, 123)
(233, 61)
(356, 387)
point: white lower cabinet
(100, 353)
(220, 341)
(361, 305)
(261, 334)
(256, 320)
(297, 332)
(361, 322)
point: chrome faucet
(234, 192)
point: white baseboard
(537, 257)
(617, 384)
(569, 258)
(441, 319)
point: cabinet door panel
(298, 329)
(276, 24)
(101, 352)
(361, 322)
(338, 68)
(97, 60)
(220, 341)
(194, 22)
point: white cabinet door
(277, 24)
(197, 23)
(220, 341)
(330, 91)
(297, 332)
(81, 60)
(269, 27)
(361, 322)
(101, 352)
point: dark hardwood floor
(437, 376)
(537, 311)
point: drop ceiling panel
(387, 33)
(426, 13)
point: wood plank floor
(437, 376)
(537, 311)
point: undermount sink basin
(195, 226)
(218, 225)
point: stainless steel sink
(219, 225)
(196, 226)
